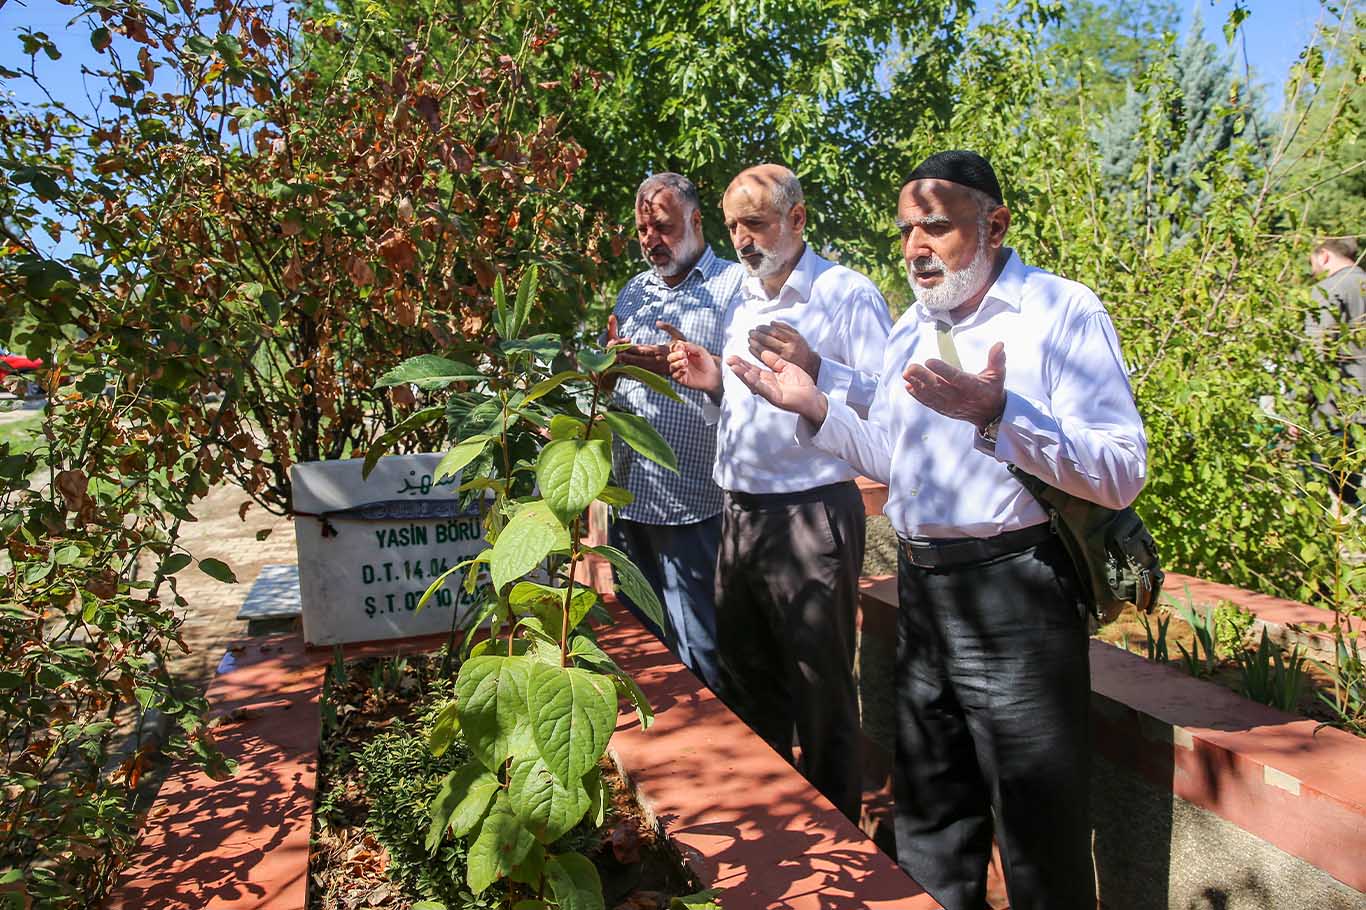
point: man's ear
(798, 216)
(697, 220)
(998, 222)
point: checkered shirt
(697, 306)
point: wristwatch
(988, 432)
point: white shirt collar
(797, 285)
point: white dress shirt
(843, 317)
(1069, 416)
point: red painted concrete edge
(744, 820)
(1283, 779)
(242, 842)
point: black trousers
(993, 689)
(786, 592)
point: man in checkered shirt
(672, 528)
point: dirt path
(211, 618)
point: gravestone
(369, 547)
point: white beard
(955, 288)
(684, 258)
(774, 259)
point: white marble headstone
(385, 538)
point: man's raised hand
(785, 341)
(785, 385)
(691, 365)
(978, 398)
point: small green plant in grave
(1268, 679)
(1202, 625)
(1348, 673)
(535, 701)
(1156, 643)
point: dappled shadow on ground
(253, 850)
(744, 819)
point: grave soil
(348, 865)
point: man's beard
(680, 259)
(956, 287)
(773, 259)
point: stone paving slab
(274, 594)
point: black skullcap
(963, 167)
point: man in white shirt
(992, 672)
(792, 527)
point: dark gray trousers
(786, 592)
(993, 693)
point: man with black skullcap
(992, 676)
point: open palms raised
(783, 384)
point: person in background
(992, 668)
(792, 530)
(1339, 326)
(672, 527)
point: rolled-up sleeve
(1088, 438)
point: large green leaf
(571, 473)
(462, 454)
(633, 583)
(531, 535)
(573, 713)
(547, 603)
(428, 371)
(546, 386)
(547, 806)
(444, 728)
(586, 652)
(502, 843)
(493, 707)
(386, 442)
(574, 882)
(460, 803)
(542, 347)
(526, 292)
(594, 361)
(637, 433)
(655, 381)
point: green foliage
(1156, 643)
(1231, 624)
(401, 777)
(1326, 111)
(536, 701)
(707, 89)
(1196, 663)
(1268, 679)
(1105, 46)
(1347, 670)
(1181, 118)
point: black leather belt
(779, 500)
(946, 552)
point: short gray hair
(786, 194)
(667, 180)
